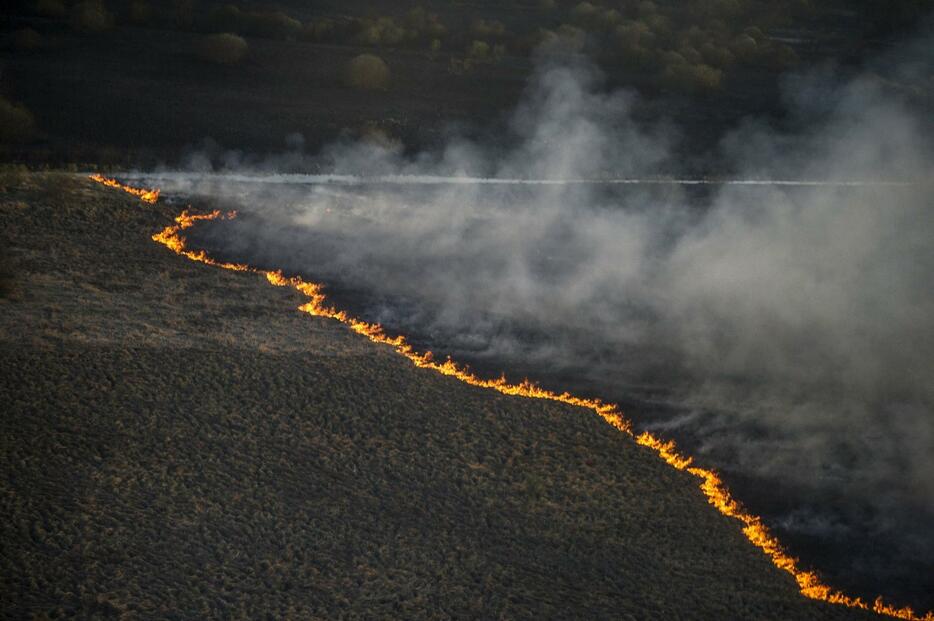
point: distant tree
(744, 48)
(684, 76)
(716, 56)
(367, 72)
(585, 14)
(483, 29)
(223, 49)
(566, 39)
(425, 25)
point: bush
(716, 56)
(584, 13)
(91, 16)
(483, 52)
(425, 25)
(634, 34)
(566, 39)
(744, 47)
(382, 31)
(367, 72)
(484, 29)
(690, 78)
(781, 57)
(223, 49)
(16, 123)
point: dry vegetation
(177, 442)
(367, 72)
(683, 47)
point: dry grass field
(178, 442)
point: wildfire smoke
(710, 483)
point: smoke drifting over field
(788, 330)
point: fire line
(710, 483)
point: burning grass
(711, 485)
(176, 445)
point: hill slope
(178, 442)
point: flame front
(716, 491)
(145, 195)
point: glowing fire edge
(711, 485)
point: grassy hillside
(178, 442)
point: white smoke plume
(790, 328)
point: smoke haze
(787, 333)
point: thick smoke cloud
(789, 330)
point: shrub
(382, 31)
(716, 56)
(633, 34)
(484, 29)
(91, 16)
(367, 72)
(223, 49)
(425, 25)
(584, 13)
(479, 50)
(744, 47)
(782, 57)
(691, 78)
(16, 123)
(566, 39)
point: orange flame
(145, 195)
(710, 484)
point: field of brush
(137, 93)
(179, 442)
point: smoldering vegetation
(785, 333)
